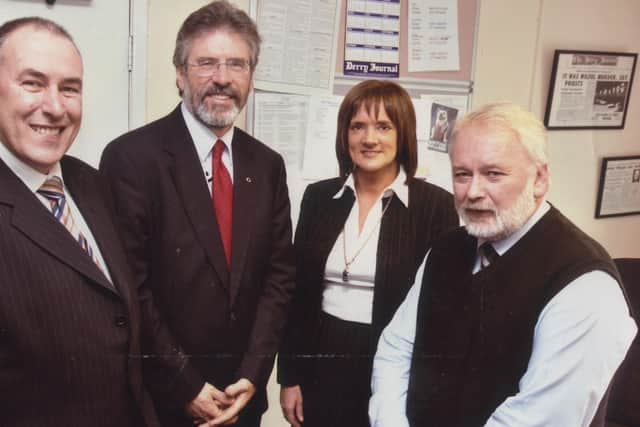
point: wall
(516, 40)
(165, 18)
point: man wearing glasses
(205, 212)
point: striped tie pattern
(53, 190)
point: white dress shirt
(580, 338)
(353, 301)
(204, 140)
(33, 179)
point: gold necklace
(347, 263)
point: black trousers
(337, 392)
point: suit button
(121, 321)
(232, 317)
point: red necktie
(222, 198)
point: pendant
(345, 275)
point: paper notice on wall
(280, 121)
(298, 45)
(436, 116)
(302, 128)
(433, 35)
(372, 38)
(319, 151)
(440, 115)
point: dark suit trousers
(337, 394)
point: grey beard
(506, 221)
(216, 119)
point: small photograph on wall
(610, 96)
(443, 119)
(589, 90)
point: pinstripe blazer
(68, 340)
(406, 233)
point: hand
(240, 393)
(208, 404)
(291, 403)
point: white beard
(216, 117)
(505, 221)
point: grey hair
(36, 22)
(510, 117)
(216, 15)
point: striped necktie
(53, 190)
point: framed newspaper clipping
(589, 90)
(619, 189)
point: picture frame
(589, 89)
(619, 187)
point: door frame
(138, 22)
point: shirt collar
(32, 178)
(203, 138)
(503, 245)
(398, 186)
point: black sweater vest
(474, 333)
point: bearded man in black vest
(518, 318)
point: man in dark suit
(206, 214)
(71, 327)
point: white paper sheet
(280, 122)
(433, 35)
(298, 45)
(319, 153)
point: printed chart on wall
(298, 45)
(372, 38)
(433, 35)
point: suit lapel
(87, 194)
(334, 215)
(395, 226)
(192, 188)
(245, 190)
(395, 232)
(32, 219)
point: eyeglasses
(208, 67)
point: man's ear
(541, 184)
(180, 79)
